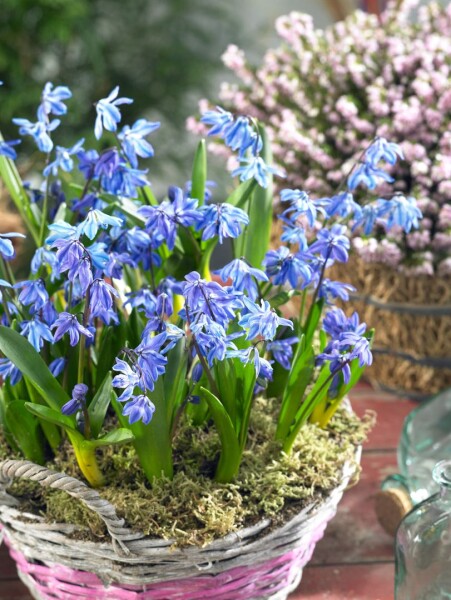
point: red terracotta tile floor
(354, 560)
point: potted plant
(200, 425)
(323, 94)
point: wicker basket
(412, 318)
(249, 564)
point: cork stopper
(391, 506)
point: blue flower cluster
(241, 134)
(114, 257)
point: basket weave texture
(412, 318)
(247, 565)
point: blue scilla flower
(239, 135)
(69, 253)
(282, 350)
(173, 335)
(261, 320)
(127, 379)
(219, 119)
(209, 298)
(139, 408)
(256, 168)
(243, 276)
(263, 368)
(294, 234)
(36, 332)
(87, 162)
(67, 323)
(78, 400)
(331, 290)
(212, 339)
(367, 175)
(399, 212)
(115, 264)
(7, 149)
(108, 114)
(61, 231)
(133, 142)
(360, 347)
(101, 297)
(335, 322)
(96, 220)
(63, 160)
(367, 218)
(33, 292)
(151, 360)
(143, 299)
(282, 266)
(135, 240)
(107, 164)
(8, 370)
(88, 201)
(81, 271)
(39, 131)
(342, 205)
(381, 149)
(164, 219)
(98, 254)
(6, 246)
(47, 313)
(332, 243)
(338, 363)
(222, 220)
(301, 205)
(125, 181)
(52, 101)
(57, 366)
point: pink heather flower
(324, 93)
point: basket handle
(25, 469)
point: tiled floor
(354, 561)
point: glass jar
(425, 440)
(423, 545)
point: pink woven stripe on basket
(240, 583)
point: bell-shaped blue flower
(108, 114)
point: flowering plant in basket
(119, 332)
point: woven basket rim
(142, 542)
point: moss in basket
(120, 337)
(192, 508)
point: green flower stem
(290, 439)
(45, 208)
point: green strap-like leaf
(199, 176)
(302, 367)
(260, 210)
(25, 429)
(99, 405)
(229, 460)
(22, 354)
(52, 416)
(115, 437)
(242, 193)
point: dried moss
(192, 508)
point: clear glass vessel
(423, 545)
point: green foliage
(157, 51)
